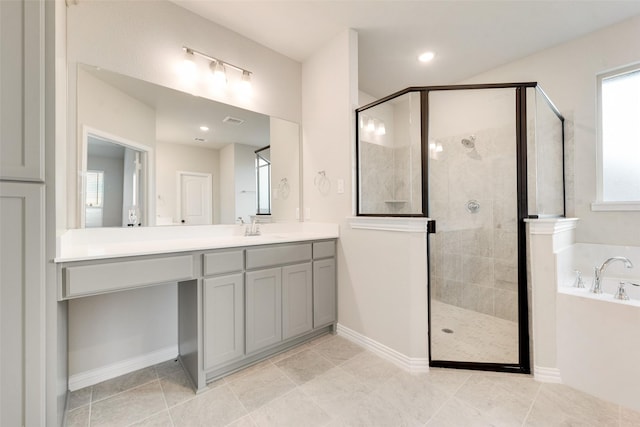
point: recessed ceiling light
(204, 128)
(426, 57)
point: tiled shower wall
(475, 254)
(391, 163)
(390, 184)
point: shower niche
(477, 160)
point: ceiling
(468, 37)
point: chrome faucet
(598, 272)
(253, 229)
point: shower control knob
(473, 206)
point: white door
(194, 199)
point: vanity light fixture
(219, 68)
(188, 68)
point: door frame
(179, 175)
(148, 213)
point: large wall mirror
(150, 155)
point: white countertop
(103, 243)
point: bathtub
(598, 337)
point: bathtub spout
(598, 272)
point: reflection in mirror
(114, 182)
(263, 174)
(201, 163)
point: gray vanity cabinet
(264, 308)
(223, 319)
(279, 302)
(223, 307)
(324, 284)
(297, 300)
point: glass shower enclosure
(476, 160)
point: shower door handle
(431, 226)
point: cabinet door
(297, 300)
(263, 308)
(324, 292)
(22, 90)
(223, 319)
(22, 300)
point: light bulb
(188, 66)
(219, 75)
(381, 129)
(426, 57)
(371, 126)
(245, 83)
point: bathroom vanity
(240, 298)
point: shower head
(469, 142)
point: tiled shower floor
(475, 337)
(333, 382)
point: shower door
(472, 167)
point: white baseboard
(95, 376)
(547, 375)
(410, 364)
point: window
(263, 176)
(619, 140)
(95, 189)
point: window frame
(259, 167)
(99, 189)
(600, 204)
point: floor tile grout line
(120, 392)
(244, 374)
(533, 402)
(314, 401)
(291, 379)
(384, 383)
(164, 398)
(145, 418)
(239, 401)
(90, 406)
(450, 398)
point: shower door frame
(520, 90)
(524, 357)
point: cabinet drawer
(324, 249)
(99, 278)
(223, 262)
(275, 255)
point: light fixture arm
(211, 58)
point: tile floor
(476, 337)
(333, 382)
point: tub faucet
(598, 272)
